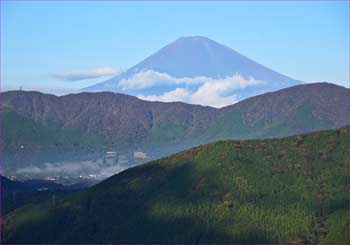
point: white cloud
(210, 92)
(140, 154)
(179, 94)
(213, 94)
(207, 95)
(150, 78)
(88, 74)
(216, 93)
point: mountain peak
(195, 57)
(198, 44)
(194, 38)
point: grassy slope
(164, 137)
(231, 126)
(294, 189)
(302, 120)
(19, 130)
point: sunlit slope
(294, 189)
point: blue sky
(308, 41)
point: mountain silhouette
(196, 58)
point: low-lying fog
(101, 168)
(98, 166)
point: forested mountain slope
(94, 120)
(288, 190)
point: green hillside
(290, 190)
(19, 130)
(130, 124)
(231, 125)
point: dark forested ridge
(288, 190)
(15, 194)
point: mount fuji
(196, 70)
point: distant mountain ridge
(195, 60)
(122, 121)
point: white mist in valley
(96, 168)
